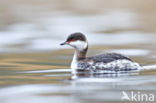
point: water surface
(34, 68)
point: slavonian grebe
(104, 63)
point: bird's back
(108, 62)
(107, 57)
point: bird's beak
(64, 43)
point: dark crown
(76, 36)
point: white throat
(79, 45)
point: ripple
(57, 75)
(149, 67)
(47, 71)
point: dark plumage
(76, 36)
(107, 57)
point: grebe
(104, 63)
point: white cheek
(80, 45)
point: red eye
(72, 40)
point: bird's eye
(72, 40)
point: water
(34, 68)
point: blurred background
(28, 25)
(34, 67)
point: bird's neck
(78, 55)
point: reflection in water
(33, 65)
(39, 77)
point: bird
(102, 63)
